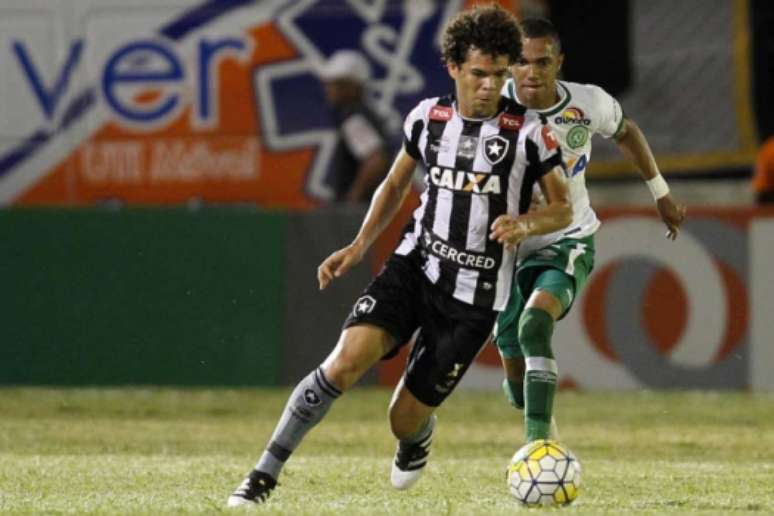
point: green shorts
(561, 268)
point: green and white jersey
(582, 111)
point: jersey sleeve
(412, 129)
(543, 151)
(360, 136)
(608, 112)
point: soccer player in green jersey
(552, 269)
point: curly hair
(491, 29)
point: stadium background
(164, 210)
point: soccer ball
(544, 472)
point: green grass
(138, 451)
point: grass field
(141, 451)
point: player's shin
(307, 405)
(535, 330)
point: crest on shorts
(495, 148)
(364, 305)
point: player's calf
(535, 329)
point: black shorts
(400, 300)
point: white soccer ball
(544, 472)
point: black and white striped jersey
(476, 170)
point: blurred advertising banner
(694, 313)
(166, 101)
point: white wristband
(658, 187)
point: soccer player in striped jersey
(552, 269)
(451, 273)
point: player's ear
(453, 69)
(560, 61)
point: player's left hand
(509, 230)
(672, 214)
(338, 264)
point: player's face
(536, 70)
(478, 83)
(341, 92)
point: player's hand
(672, 214)
(337, 264)
(538, 201)
(509, 230)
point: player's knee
(346, 366)
(344, 372)
(536, 327)
(357, 351)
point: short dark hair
(491, 29)
(540, 28)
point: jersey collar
(500, 108)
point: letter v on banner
(48, 98)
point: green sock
(539, 388)
(535, 330)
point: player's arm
(367, 145)
(385, 204)
(369, 173)
(553, 216)
(633, 144)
